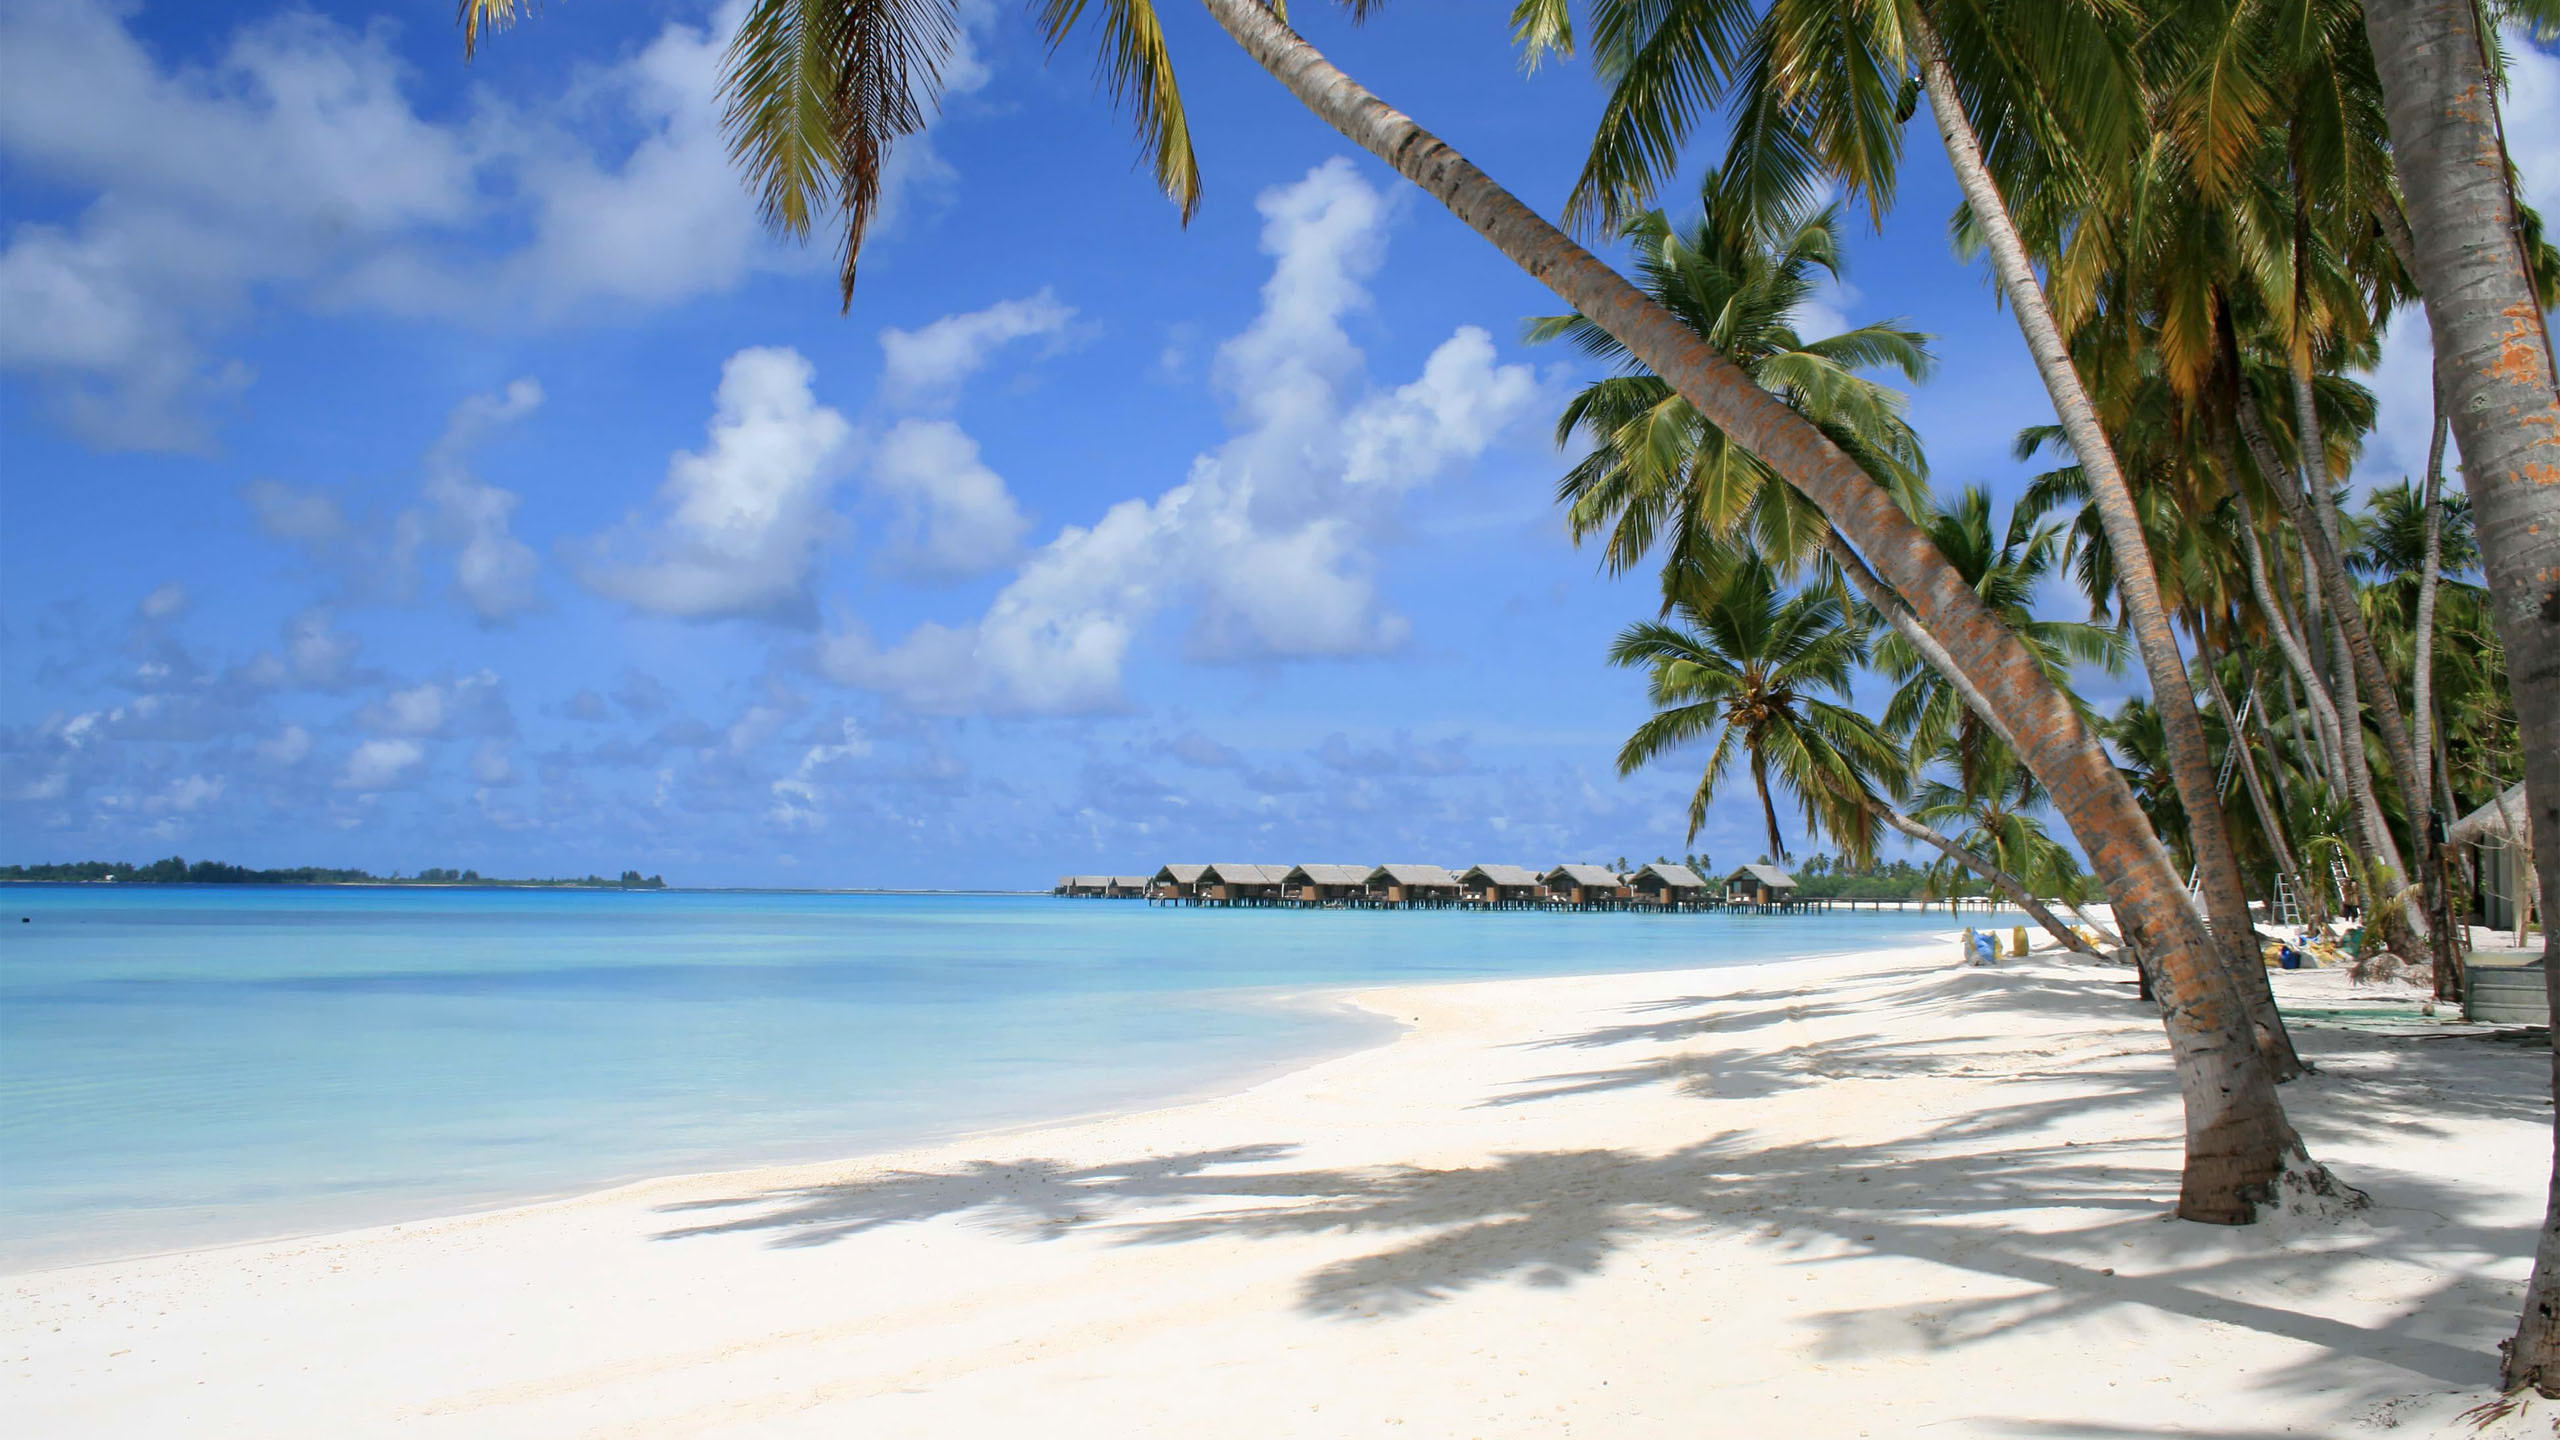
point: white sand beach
(1879, 1195)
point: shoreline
(1617, 1198)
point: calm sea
(186, 1066)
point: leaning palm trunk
(1883, 601)
(2494, 362)
(2422, 670)
(2241, 1151)
(2268, 820)
(2372, 832)
(2006, 883)
(2190, 761)
(2363, 685)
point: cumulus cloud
(1263, 537)
(493, 571)
(164, 603)
(955, 518)
(286, 748)
(381, 764)
(316, 656)
(924, 368)
(745, 518)
(293, 167)
(473, 704)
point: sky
(405, 463)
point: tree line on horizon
(176, 870)
(2203, 218)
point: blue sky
(407, 464)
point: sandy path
(1842, 1197)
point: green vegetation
(177, 871)
(2203, 218)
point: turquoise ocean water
(186, 1066)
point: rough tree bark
(2493, 359)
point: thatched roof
(1182, 874)
(1427, 876)
(1769, 875)
(1329, 875)
(1128, 882)
(1504, 875)
(1585, 875)
(2500, 819)
(1678, 877)
(1231, 873)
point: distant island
(176, 871)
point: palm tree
(1992, 810)
(1661, 475)
(1823, 87)
(819, 90)
(1742, 662)
(2006, 566)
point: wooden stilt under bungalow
(1326, 884)
(1412, 886)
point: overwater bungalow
(1764, 886)
(1177, 884)
(1325, 884)
(1227, 883)
(1673, 887)
(1500, 887)
(1584, 887)
(1412, 885)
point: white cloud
(316, 656)
(797, 796)
(491, 764)
(290, 151)
(286, 748)
(955, 517)
(381, 764)
(166, 602)
(292, 167)
(1825, 312)
(1263, 536)
(924, 368)
(745, 517)
(493, 571)
(418, 710)
(184, 795)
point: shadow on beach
(1545, 1218)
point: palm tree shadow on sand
(1548, 1218)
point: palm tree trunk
(2363, 684)
(2324, 715)
(2006, 883)
(2190, 759)
(2273, 815)
(2268, 819)
(1768, 810)
(1898, 615)
(2422, 670)
(2241, 1151)
(2494, 360)
(2376, 846)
